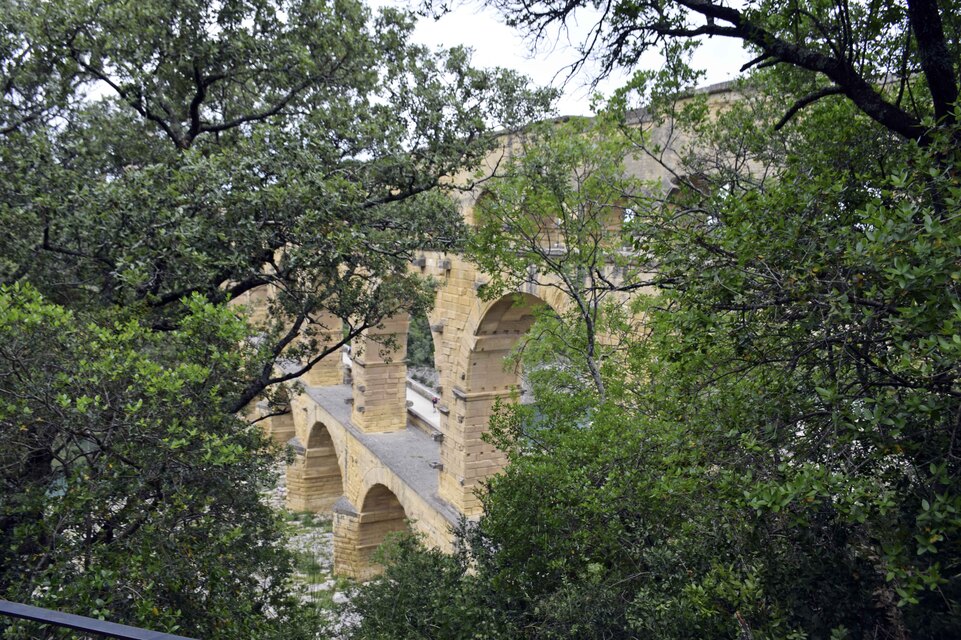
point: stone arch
(481, 380)
(314, 478)
(381, 513)
(473, 210)
(358, 535)
(491, 340)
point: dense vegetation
(766, 446)
(420, 343)
(160, 159)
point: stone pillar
(328, 372)
(252, 410)
(467, 460)
(281, 427)
(380, 378)
(346, 539)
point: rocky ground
(311, 541)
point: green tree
(125, 490)
(775, 456)
(897, 62)
(297, 144)
(789, 459)
(161, 160)
(422, 594)
(814, 315)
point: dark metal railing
(81, 623)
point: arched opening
(485, 377)
(423, 374)
(380, 515)
(499, 215)
(498, 332)
(421, 350)
(478, 213)
(314, 480)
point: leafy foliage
(297, 145)
(775, 455)
(422, 594)
(126, 491)
(160, 162)
(872, 53)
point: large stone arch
(357, 534)
(490, 336)
(314, 478)
(480, 380)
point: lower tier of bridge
(373, 483)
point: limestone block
(326, 373)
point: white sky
(497, 45)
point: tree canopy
(161, 160)
(236, 145)
(871, 53)
(776, 452)
(127, 492)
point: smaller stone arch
(357, 535)
(499, 329)
(314, 478)
(381, 514)
(473, 211)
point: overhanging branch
(805, 101)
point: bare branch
(805, 101)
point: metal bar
(81, 623)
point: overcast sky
(497, 45)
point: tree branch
(262, 115)
(805, 101)
(840, 71)
(936, 61)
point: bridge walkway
(412, 455)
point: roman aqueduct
(381, 463)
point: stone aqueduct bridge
(379, 467)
